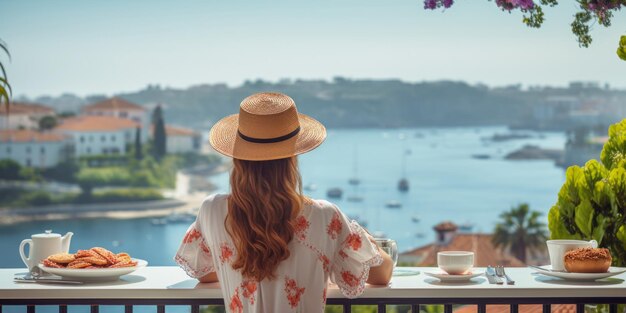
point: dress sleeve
(354, 255)
(194, 255)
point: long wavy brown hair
(265, 198)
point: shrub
(126, 195)
(592, 202)
(10, 170)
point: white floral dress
(326, 246)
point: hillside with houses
(120, 147)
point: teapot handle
(594, 243)
(22, 254)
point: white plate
(447, 278)
(581, 276)
(93, 274)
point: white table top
(157, 282)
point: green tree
(520, 230)
(160, 138)
(592, 202)
(138, 148)
(47, 123)
(10, 170)
(5, 87)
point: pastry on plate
(588, 260)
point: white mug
(455, 262)
(558, 248)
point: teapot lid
(47, 234)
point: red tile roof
(15, 135)
(176, 131)
(484, 252)
(96, 123)
(26, 108)
(114, 103)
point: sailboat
(355, 181)
(403, 183)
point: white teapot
(44, 245)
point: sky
(107, 47)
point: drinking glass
(390, 247)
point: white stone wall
(15, 121)
(109, 142)
(180, 144)
(35, 154)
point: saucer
(547, 270)
(447, 278)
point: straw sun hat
(268, 127)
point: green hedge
(26, 198)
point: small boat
(420, 235)
(334, 193)
(481, 156)
(310, 187)
(403, 185)
(355, 198)
(415, 219)
(393, 204)
(466, 227)
(354, 181)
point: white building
(180, 139)
(120, 108)
(93, 135)
(23, 115)
(34, 149)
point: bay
(446, 183)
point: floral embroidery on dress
(301, 227)
(205, 248)
(334, 227)
(191, 235)
(343, 254)
(235, 303)
(248, 288)
(325, 262)
(349, 279)
(354, 241)
(225, 253)
(293, 292)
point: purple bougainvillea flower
(447, 3)
(430, 4)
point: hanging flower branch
(600, 11)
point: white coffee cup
(455, 262)
(558, 248)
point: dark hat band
(269, 140)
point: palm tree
(5, 87)
(520, 230)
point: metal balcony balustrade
(163, 286)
